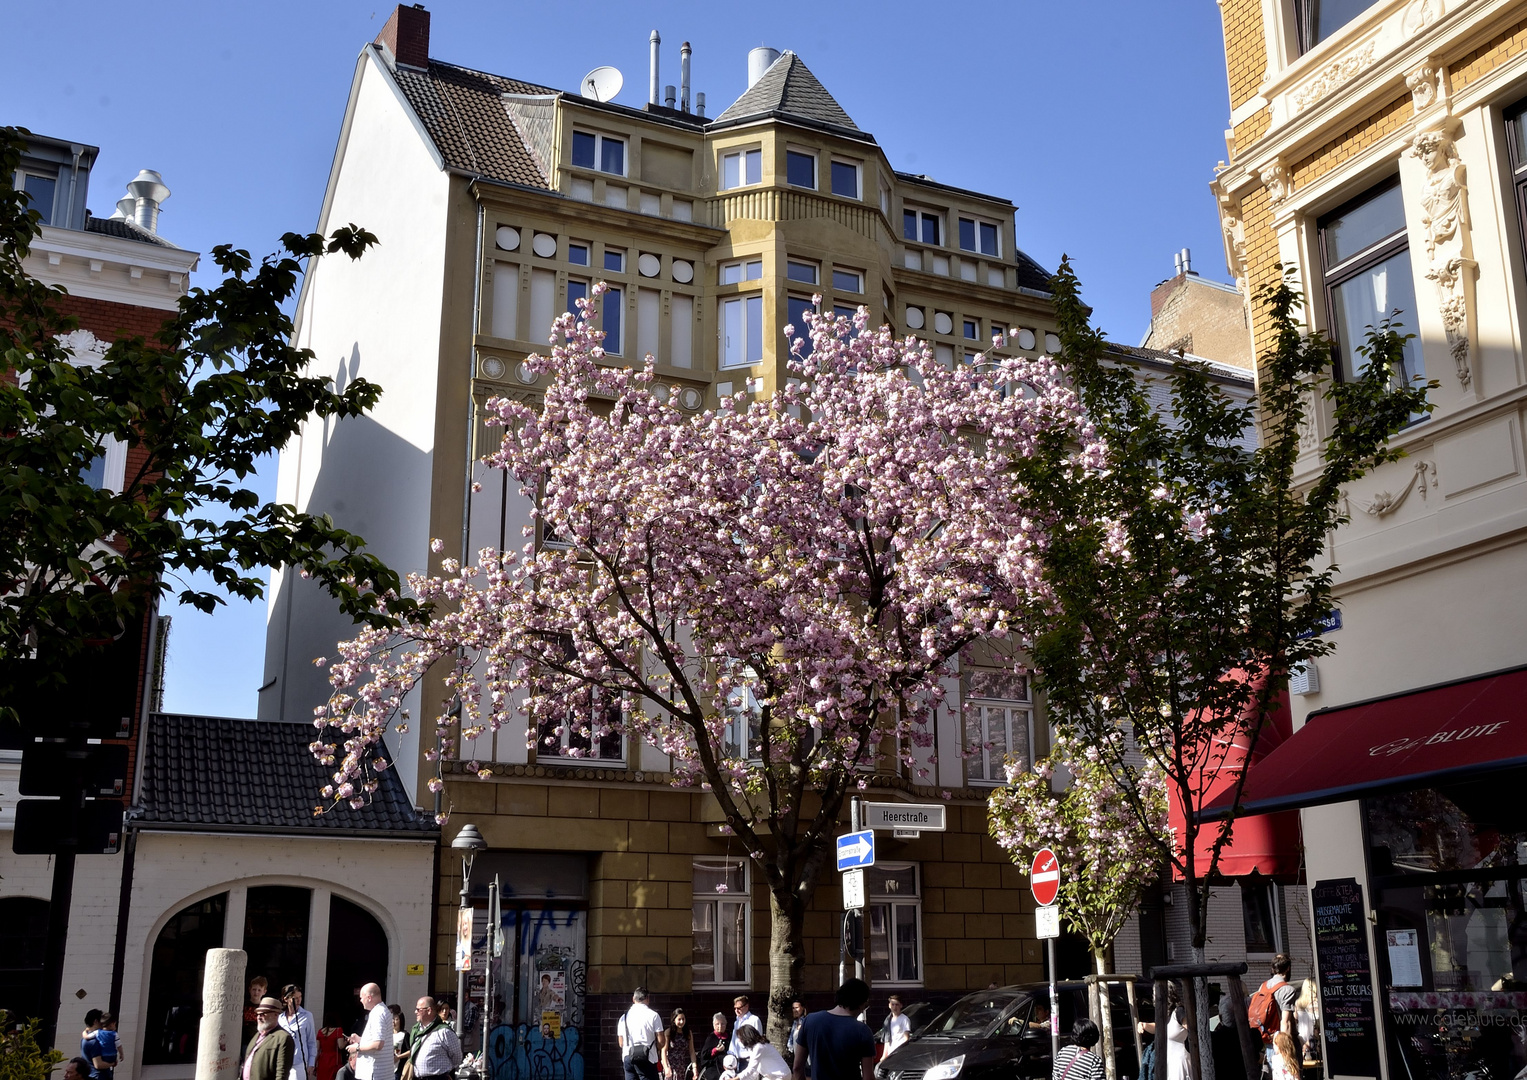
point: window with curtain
(721, 914)
(893, 917)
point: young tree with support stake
(1108, 851)
(1195, 575)
(771, 594)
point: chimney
(670, 96)
(700, 105)
(652, 86)
(1177, 264)
(684, 76)
(1187, 261)
(148, 191)
(406, 35)
(759, 61)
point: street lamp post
(469, 842)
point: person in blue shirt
(98, 1044)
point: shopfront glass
(1448, 867)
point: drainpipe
(74, 171)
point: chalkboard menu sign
(1346, 978)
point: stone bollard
(218, 1053)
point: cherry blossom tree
(1108, 852)
(770, 593)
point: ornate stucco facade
(1371, 153)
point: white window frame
(858, 168)
(746, 265)
(560, 758)
(718, 902)
(741, 155)
(885, 900)
(836, 270)
(976, 224)
(588, 254)
(614, 298)
(87, 350)
(816, 271)
(816, 168)
(619, 253)
(743, 300)
(922, 213)
(600, 138)
(981, 768)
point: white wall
(378, 318)
(392, 879)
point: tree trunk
(1201, 1018)
(787, 959)
(1105, 1014)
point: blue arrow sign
(856, 849)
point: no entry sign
(1044, 876)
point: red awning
(1403, 741)
(1265, 844)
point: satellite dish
(602, 84)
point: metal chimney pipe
(1177, 264)
(700, 105)
(670, 96)
(759, 61)
(684, 76)
(652, 85)
(148, 188)
(1187, 261)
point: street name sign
(1044, 877)
(904, 817)
(856, 850)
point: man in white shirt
(373, 1046)
(744, 1019)
(641, 1038)
(897, 1026)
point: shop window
(893, 924)
(923, 226)
(998, 715)
(735, 273)
(176, 971)
(358, 954)
(1259, 915)
(741, 330)
(800, 169)
(605, 153)
(981, 236)
(741, 168)
(1317, 20)
(721, 917)
(276, 934)
(1366, 257)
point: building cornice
(110, 268)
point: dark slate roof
(463, 111)
(126, 230)
(1031, 275)
(212, 773)
(788, 88)
(1163, 359)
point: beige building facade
(498, 204)
(1375, 150)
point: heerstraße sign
(917, 817)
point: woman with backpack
(1271, 1008)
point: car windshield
(973, 1014)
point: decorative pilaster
(1449, 249)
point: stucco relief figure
(1445, 218)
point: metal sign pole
(1054, 1006)
(855, 824)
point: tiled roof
(788, 88)
(210, 772)
(126, 230)
(463, 111)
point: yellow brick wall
(1245, 49)
(1354, 140)
(1251, 129)
(1489, 56)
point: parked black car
(1004, 1034)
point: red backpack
(1264, 1013)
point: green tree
(1196, 574)
(21, 1058)
(218, 389)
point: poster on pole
(464, 939)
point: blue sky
(1101, 119)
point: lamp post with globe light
(469, 842)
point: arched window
(23, 941)
(175, 981)
(357, 956)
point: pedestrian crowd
(829, 1045)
